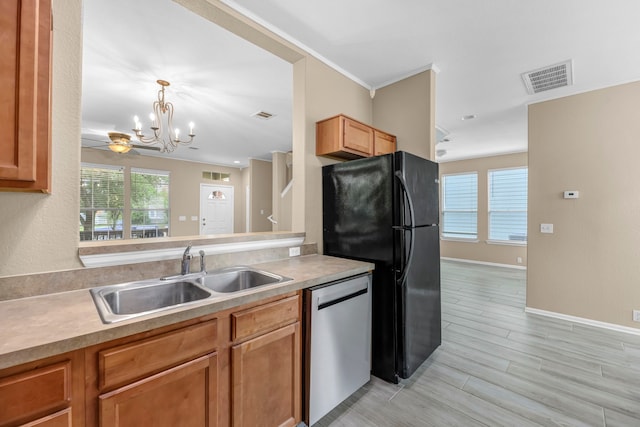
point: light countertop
(37, 327)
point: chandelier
(162, 125)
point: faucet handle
(202, 266)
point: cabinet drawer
(35, 392)
(126, 363)
(59, 419)
(259, 319)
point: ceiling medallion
(162, 125)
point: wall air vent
(547, 78)
(262, 115)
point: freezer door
(357, 209)
(420, 177)
(419, 330)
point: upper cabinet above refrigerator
(346, 138)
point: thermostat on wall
(571, 194)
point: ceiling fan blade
(146, 147)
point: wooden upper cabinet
(25, 65)
(346, 138)
(383, 143)
(343, 137)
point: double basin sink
(128, 300)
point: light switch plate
(546, 228)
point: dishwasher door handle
(342, 299)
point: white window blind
(508, 204)
(149, 203)
(101, 202)
(460, 206)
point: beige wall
(281, 206)
(406, 109)
(589, 266)
(261, 194)
(40, 232)
(322, 92)
(480, 250)
(184, 188)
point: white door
(216, 209)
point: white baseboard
(493, 264)
(582, 320)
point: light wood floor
(498, 366)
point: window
(508, 205)
(460, 206)
(101, 202)
(149, 203)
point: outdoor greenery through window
(117, 202)
(101, 202)
(460, 206)
(508, 205)
(149, 203)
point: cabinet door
(25, 49)
(358, 137)
(383, 143)
(265, 381)
(183, 396)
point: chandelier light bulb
(191, 128)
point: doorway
(216, 209)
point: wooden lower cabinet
(48, 392)
(239, 367)
(185, 396)
(266, 379)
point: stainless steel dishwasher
(337, 343)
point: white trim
(459, 239)
(134, 169)
(408, 74)
(584, 321)
(287, 188)
(491, 264)
(522, 243)
(243, 11)
(122, 258)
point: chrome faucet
(186, 261)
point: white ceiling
(218, 80)
(480, 49)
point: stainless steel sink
(128, 300)
(234, 279)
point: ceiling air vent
(547, 78)
(262, 115)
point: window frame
(473, 239)
(95, 210)
(143, 171)
(489, 210)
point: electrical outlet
(636, 315)
(519, 259)
(294, 251)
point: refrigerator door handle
(406, 228)
(403, 184)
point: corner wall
(589, 266)
(480, 250)
(406, 109)
(37, 232)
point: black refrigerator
(384, 210)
